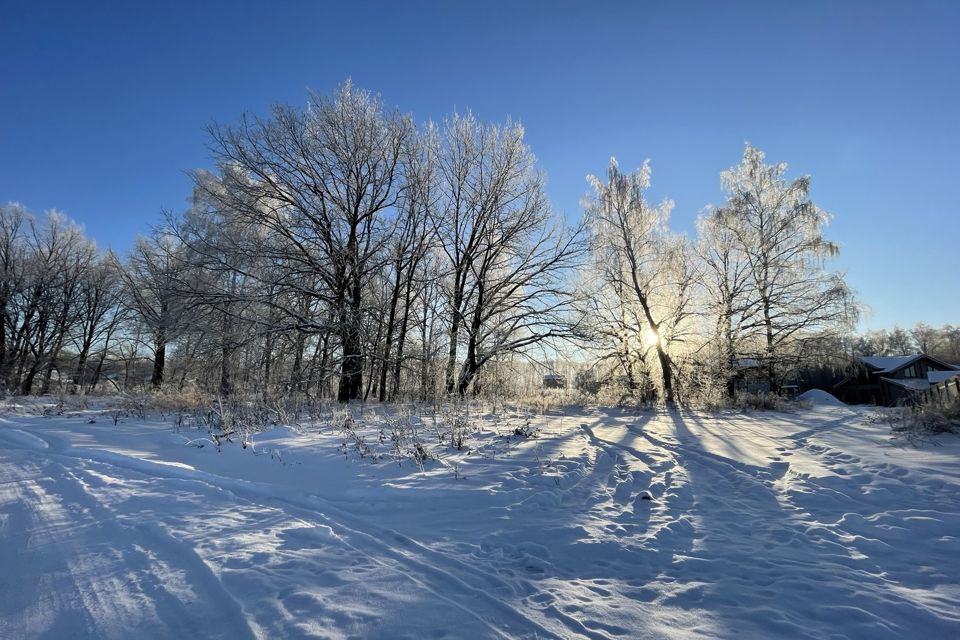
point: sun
(650, 337)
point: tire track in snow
(419, 564)
(758, 543)
(95, 576)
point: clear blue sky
(102, 105)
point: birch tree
(780, 231)
(639, 262)
(729, 304)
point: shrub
(923, 420)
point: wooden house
(554, 381)
(891, 380)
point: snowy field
(803, 525)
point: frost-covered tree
(47, 266)
(729, 303)
(640, 267)
(13, 219)
(407, 249)
(151, 275)
(780, 231)
(506, 255)
(321, 185)
(100, 310)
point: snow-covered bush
(921, 420)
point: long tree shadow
(763, 567)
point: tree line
(940, 342)
(342, 250)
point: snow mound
(821, 397)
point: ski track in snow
(751, 532)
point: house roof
(889, 364)
(914, 384)
(937, 377)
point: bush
(922, 420)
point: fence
(942, 393)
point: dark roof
(914, 384)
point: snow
(819, 397)
(914, 384)
(936, 377)
(888, 363)
(802, 525)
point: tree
(641, 265)
(100, 311)
(318, 188)
(406, 251)
(55, 256)
(926, 338)
(779, 229)
(506, 256)
(13, 216)
(151, 275)
(724, 275)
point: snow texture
(608, 525)
(936, 377)
(888, 363)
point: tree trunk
(159, 359)
(666, 368)
(351, 369)
(296, 372)
(3, 342)
(388, 338)
(401, 339)
(771, 349)
(454, 335)
(227, 351)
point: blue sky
(103, 105)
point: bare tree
(646, 267)
(151, 275)
(56, 254)
(729, 303)
(13, 217)
(507, 259)
(320, 186)
(780, 231)
(100, 312)
(406, 252)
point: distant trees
(55, 292)
(939, 342)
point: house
(554, 381)
(892, 380)
(750, 376)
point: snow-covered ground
(804, 525)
